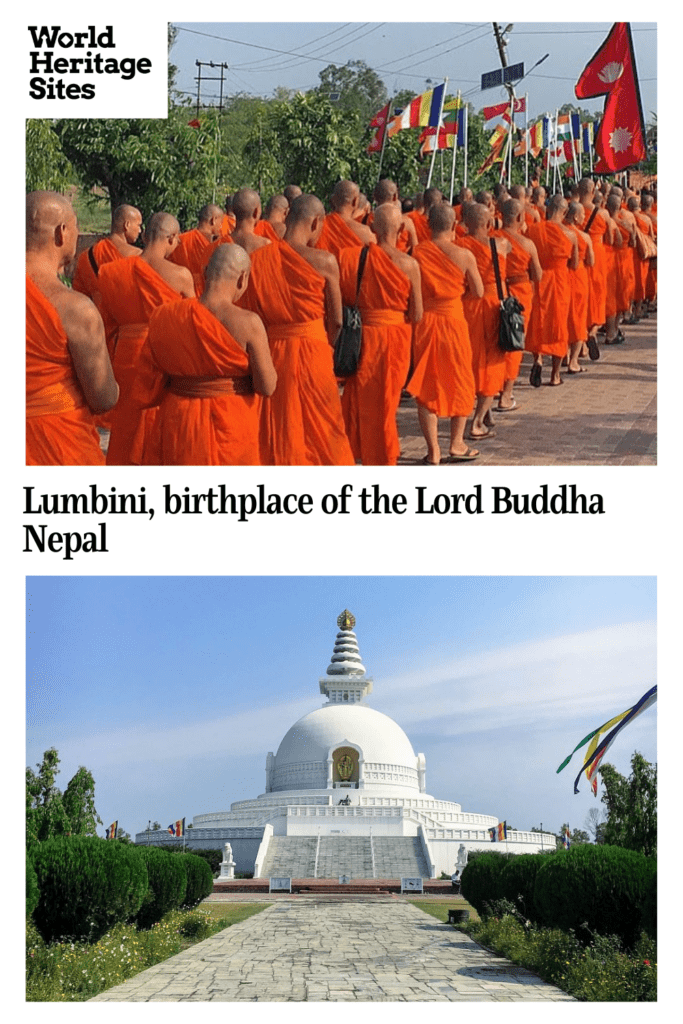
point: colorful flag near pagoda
(611, 72)
(110, 833)
(597, 751)
(499, 832)
(500, 109)
(495, 156)
(379, 121)
(566, 839)
(452, 128)
(422, 111)
(177, 828)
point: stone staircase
(355, 856)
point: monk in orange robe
(126, 224)
(246, 206)
(558, 252)
(390, 301)
(68, 371)
(579, 283)
(641, 254)
(196, 247)
(420, 219)
(294, 288)
(464, 197)
(648, 207)
(272, 223)
(216, 362)
(386, 191)
(523, 270)
(442, 381)
(131, 291)
(228, 221)
(483, 317)
(340, 229)
(598, 226)
(538, 201)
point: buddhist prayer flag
(597, 751)
(379, 121)
(177, 828)
(500, 109)
(566, 839)
(422, 111)
(499, 832)
(112, 830)
(450, 130)
(611, 72)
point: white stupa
(347, 772)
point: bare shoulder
(503, 245)
(408, 264)
(178, 277)
(321, 260)
(75, 310)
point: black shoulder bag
(511, 329)
(347, 347)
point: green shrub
(199, 879)
(167, 885)
(32, 893)
(481, 879)
(213, 857)
(649, 908)
(518, 879)
(197, 925)
(594, 889)
(86, 886)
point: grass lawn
(440, 910)
(233, 913)
(92, 216)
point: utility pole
(210, 78)
(501, 43)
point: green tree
(45, 814)
(153, 164)
(631, 806)
(79, 804)
(172, 68)
(359, 88)
(46, 165)
(595, 825)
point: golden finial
(346, 620)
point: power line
(328, 53)
(310, 42)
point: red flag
(379, 122)
(503, 108)
(620, 142)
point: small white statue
(462, 858)
(228, 864)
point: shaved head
(476, 216)
(647, 202)
(633, 203)
(586, 187)
(432, 196)
(244, 203)
(277, 202)
(538, 193)
(517, 192)
(304, 208)
(45, 212)
(465, 195)
(227, 263)
(441, 218)
(160, 226)
(387, 220)
(574, 213)
(344, 194)
(511, 210)
(122, 214)
(291, 192)
(556, 203)
(209, 213)
(613, 202)
(385, 191)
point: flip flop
(510, 408)
(426, 461)
(535, 375)
(555, 384)
(593, 350)
(469, 456)
(481, 437)
(580, 370)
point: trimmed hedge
(199, 878)
(594, 889)
(86, 885)
(32, 892)
(518, 880)
(167, 885)
(649, 908)
(482, 878)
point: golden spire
(346, 620)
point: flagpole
(526, 137)
(557, 114)
(384, 140)
(547, 154)
(464, 182)
(512, 127)
(571, 135)
(455, 147)
(438, 125)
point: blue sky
(172, 690)
(264, 55)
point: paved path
(604, 417)
(318, 950)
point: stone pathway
(380, 950)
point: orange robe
(548, 329)
(85, 279)
(597, 274)
(336, 235)
(228, 224)
(626, 281)
(483, 319)
(208, 414)
(194, 252)
(579, 282)
(131, 291)
(640, 266)
(301, 423)
(264, 229)
(421, 225)
(60, 430)
(442, 380)
(372, 395)
(611, 282)
(521, 286)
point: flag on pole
(566, 839)
(422, 111)
(450, 130)
(597, 751)
(177, 828)
(611, 72)
(112, 830)
(500, 109)
(499, 832)
(379, 121)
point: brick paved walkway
(604, 417)
(380, 950)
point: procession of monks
(214, 346)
